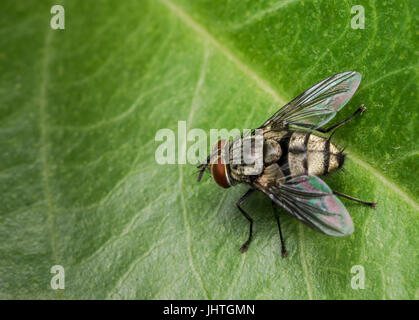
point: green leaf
(80, 186)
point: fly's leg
(245, 245)
(361, 109)
(370, 204)
(284, 251)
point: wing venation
(311, 201)
(318, 105)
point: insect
(294, 154)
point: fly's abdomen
(313, 155)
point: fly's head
(217, 165)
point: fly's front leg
(284, 251)
(360, 110)
(245, 245)
(370, 204)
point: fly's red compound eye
(218, 167)
(218, 172)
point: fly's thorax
(313, 155)
(254, 159)
(271, 151)
(246, 158)
(272, 175)
(275, 135)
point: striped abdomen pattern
(313, 155)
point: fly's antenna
(195, 172)
(202, 167)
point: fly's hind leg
(284, 251)
(245, 245)
(361, 109)
(370, 204)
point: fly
(294, 157)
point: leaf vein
(182, 193)
(385, 181)
(224, 50)
(43, 104)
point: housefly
(293, 156)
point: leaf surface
(80, 187)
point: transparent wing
(319, 104)
(311, 201)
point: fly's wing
(311, 201)
(319, 104)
